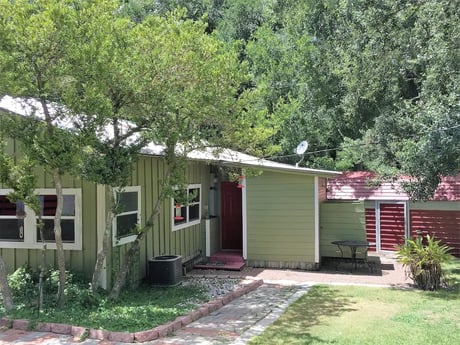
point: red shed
(391, 216)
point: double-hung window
(48, 205)
(129, 216)
(11, 220)
(188, 213)
(19, 224)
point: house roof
(235, 158)
(359, 185)
(31, 107)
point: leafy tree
(209, 11)
(186, 99)
(377, 79)
(101, 90)
(33, 63)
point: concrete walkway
(240, 320)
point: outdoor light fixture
(240, 186)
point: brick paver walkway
(237, 322)
(234, 323)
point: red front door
(231, 216)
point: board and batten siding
(340, 221)
(78, 260)
(149, 173)
(280, 220)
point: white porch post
(244, 216)
(316, 203)
(100, 221)
(208, 237)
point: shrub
(24, 287)
(423, 260)
(22, 284)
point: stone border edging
(136, 337)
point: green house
(270, 214)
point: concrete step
(221, 265)
(222, 257)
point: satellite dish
(300, 150)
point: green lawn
(348, 315)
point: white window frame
(187, 222)
(130, 238)
(31, 240)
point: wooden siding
(371, 235)
(444, 225)
(340, 221)
(188, 242)
(78, 260)
(358, 185)
(435, 205)
(280, 218)
(148, 173)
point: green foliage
(424, 259)
(21, 282)
(24, 287)
(20, 177)
(377, 73)
(136, 310)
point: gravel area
(214, 286)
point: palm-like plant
(423, 260)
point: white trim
(100, 225)
(30, 223)
(316, 203)
(378, 244)
(187, 222)
(407, 220)
(208, 237)
(130, 238)
(244, 203)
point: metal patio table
(354, 245)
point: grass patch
(351, 315)
(137, 310)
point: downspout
(316, 203)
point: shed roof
(31, 107)
(359, 185)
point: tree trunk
(120, 281)
(4, 287)
(102, 254)
(60, 297)
(41, 277)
